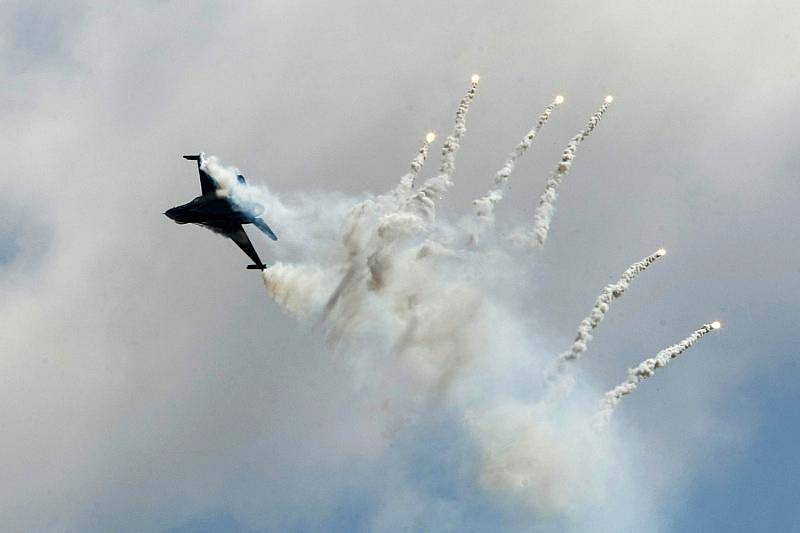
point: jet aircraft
(220, 214)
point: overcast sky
(148, 384)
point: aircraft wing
(241, 239)
(236, 233)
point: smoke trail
(547, 201)
(484, 206)
(530, 458)
(395, 217)
(433, 327)
(601, 305)
(298, 289)
(645, 370)
(228, 184)
(381, 224)
(423, 202)
(406, 184)
(376, 227)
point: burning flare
(407, 182)
(424, 200)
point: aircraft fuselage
(208, 208)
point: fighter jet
(219, 214)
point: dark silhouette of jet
(221, 215)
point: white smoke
(406, 184)
(602, 304)
(427, 322)
(297, 288)
(543, 216)
(485, 205)
(228, 184)
(547, 464)
(424, 200)
(645, 370)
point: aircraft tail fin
(260, 224)
(192, 157)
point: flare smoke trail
(430, 324)
(484, 206)
(373, 227)
(434, 188)
(547, 201)
(406, 184)
(645, 370)
(601, 305)
(244, 197)
(296, 288)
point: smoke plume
(543, 216)
(431, 324)
(646, 370)
(602, 304)
(485, 205)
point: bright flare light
(609, 99)
(559, 99)
(716, 325)
(661, 252)
(430, 137)
(476, 78)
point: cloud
(144, 384)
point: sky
(149, 383)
